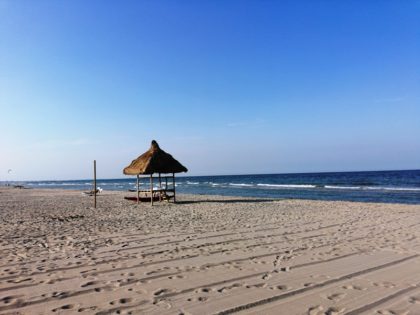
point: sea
(377, 186)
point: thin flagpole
(94, 182)
(160, 188)
(173, 183)
(138, 189)
(151, 189)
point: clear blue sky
(227, 87)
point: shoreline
(124, 192)
(206, 254)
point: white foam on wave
(287, 185)
(59, 184)
(240, 185)
(374, 188)
(341, 187)
(392, 188)
(192, 183)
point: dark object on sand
(95, 190)
(141, 199)
(155, 160)
(92, 192)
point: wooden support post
(173, 183)
(151, 189)
(138, 189)
(94, 182)
(160, 188)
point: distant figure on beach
(92, 192)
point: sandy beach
(205, 255)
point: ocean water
(384, 186)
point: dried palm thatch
(155, 160)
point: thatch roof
(155, 160)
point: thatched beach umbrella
(155, 160)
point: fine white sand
(205, 255)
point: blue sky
(227, 87)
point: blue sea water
(383, 186)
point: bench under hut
(155, 161)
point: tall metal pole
(173, 183)
(138, 190)
(94, 182)
(160, 188)
(151, 189)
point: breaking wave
(241, 185)
(287, 185)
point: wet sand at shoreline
(205, 255)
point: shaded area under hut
(155, 161)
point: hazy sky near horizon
(227, 87)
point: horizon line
(218, 175)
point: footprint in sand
(334, 311)
(60, 295)
(353, 287)
(52, 280)
(336, 297)
(319, 310)
(64, 307)
(9, 299)
(176, 277)
(90, 283)
(204, 290)
(164, 304)
(85, 309)
(266, 276)
(316, 310)
(258, 285)
(124, 300)
(281, 287)
(160, 292)
(393, 312)
(233, 286)
(198, 299)
(121, 301)
(384, 284)
(414, 299)
(19, 280)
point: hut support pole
(138, 189)
(160, 188)
(94, 183)
(151, 189)
(173, 183)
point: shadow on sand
(226, 201)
